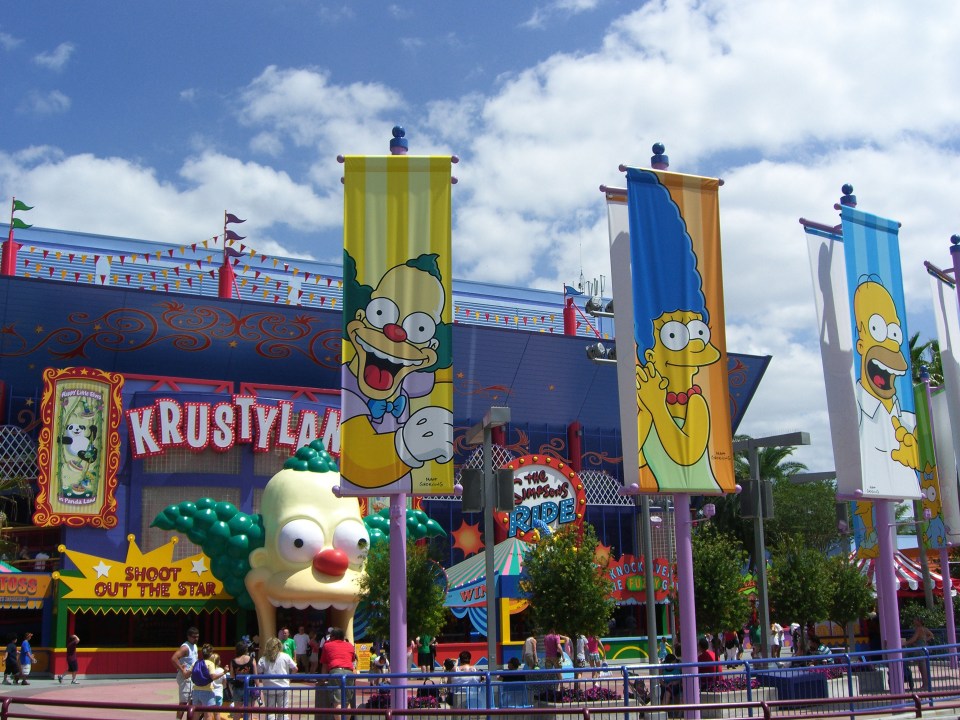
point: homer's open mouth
(882, 376)
(381, 368)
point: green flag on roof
(20, 224)
(18, 205)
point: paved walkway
(97, 689)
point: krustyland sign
(547, 495)
(220, 426)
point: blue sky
(147, 120)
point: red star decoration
(467, 538)
(602, 554)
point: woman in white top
(776, 639)
(275, 662)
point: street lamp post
(752, 447)
(495, 417)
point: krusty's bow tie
(379, 408)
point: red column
(8, 261)
(569, 318)
(575, 444)
(226, 280)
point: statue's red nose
(331, 562)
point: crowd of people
(202, 679)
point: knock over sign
(547, 493)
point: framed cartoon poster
(79, 448)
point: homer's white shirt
(884, 477)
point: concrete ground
(96, 689)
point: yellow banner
(397, 397)
(153, 576)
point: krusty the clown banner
(396, 396)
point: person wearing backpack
(203, 675)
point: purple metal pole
(398, 593)
(887, 590)
(398, 538)
(688, 611)
(944, 554)
(948, 603)
(955, 256)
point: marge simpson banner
(682, 391)
(883, 385)
(396, 396)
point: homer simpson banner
(682, 400)
(934, 528)
(883, 383)
(396, 395)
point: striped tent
(467, 580)
(908, 573)
(6, 567)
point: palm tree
(926, 355)
(774, 467)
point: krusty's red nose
(331, 562)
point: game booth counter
(137, 588)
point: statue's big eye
(299, 540)
(351, 537)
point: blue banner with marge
(681, 399)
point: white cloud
(305, 106)
(188, 95)
(266, 143)
(132, 202)
(335, 15)
(411, 44)
(785, 101)
(56, 59)
(543, 13)
(51, 103)
(9, 42)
